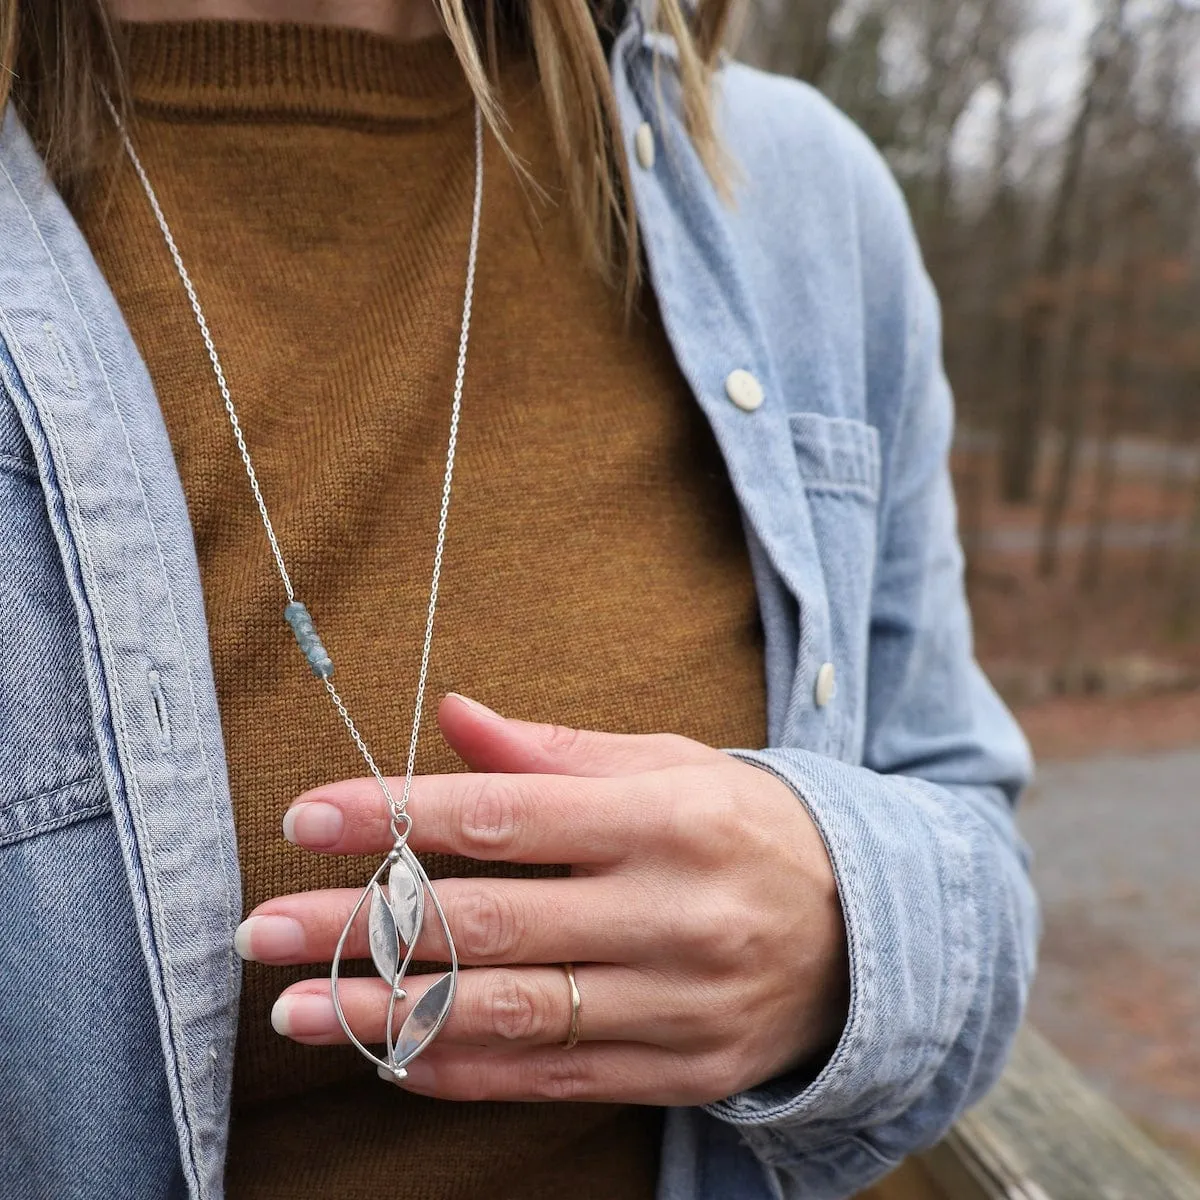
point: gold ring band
(576, 1005)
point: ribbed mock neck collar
(245, 67)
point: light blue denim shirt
(119, 889)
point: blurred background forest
(1049, 151)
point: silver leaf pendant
(394, 924)
(427, 1016)
(407, 898)
(382, 935)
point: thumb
(486, 741)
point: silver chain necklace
(397, 916)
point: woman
(700, 500)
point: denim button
(744, 390)
(643, 143)
(826, 686)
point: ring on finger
(576, 1007)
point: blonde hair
(59, 58)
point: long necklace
(395, 916)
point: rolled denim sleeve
(941, 918)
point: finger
(491, 817)
(493, 921)
(606, 1072)
(504, 1006)
(487, 741)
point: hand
(701, 913)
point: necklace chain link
(400, 822)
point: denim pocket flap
(836, 453)
(50, 770)
(15, 454)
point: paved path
(1117, 842)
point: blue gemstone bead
(298, 617)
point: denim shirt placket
(709, 317)
(118, 513)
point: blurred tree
(1028, 411)
(1055, 186)
(1106, 103)
(855, 79)
(801, 41)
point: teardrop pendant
(395, 922)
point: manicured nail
(304, 1016)
(313, 824)
(269, 939)
(474, 705)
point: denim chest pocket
(49, 763)
(839, 462)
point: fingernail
(313, 824)
(268, 939)
(476, 707)
(303, 1016)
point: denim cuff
(904, 870)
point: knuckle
(561, 740)
(676, 747)
(557, 1076)
(718, 816)
(487, 930)
(657, 817)
(688, 926)
(512, 1006)
(674, 817)
(709, 930)
(729, 938)
(701, 815)
(489, 816)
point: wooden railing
(1042, 1134)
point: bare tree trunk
(1074, 396)
(1091, 566)
(1026, 417)
(993, 352)
(1122, 338)
(814, 49)
(1181, 431)
(1187, 588)
(799, 42)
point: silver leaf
(383, 935)
(426, 1018)
(408, 901)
